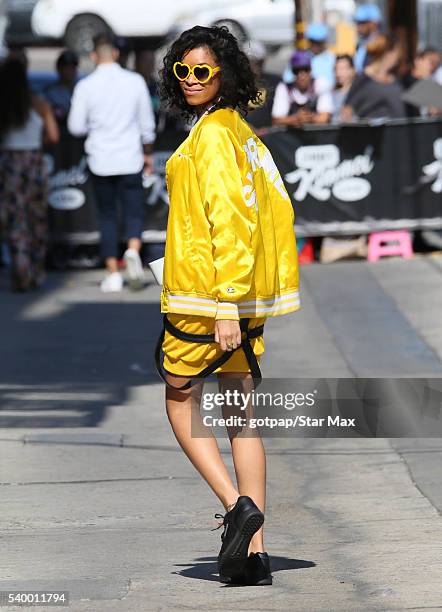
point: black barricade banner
(72, 209)
(342, 180)
(72, 213)
(362, 178)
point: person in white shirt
(305, 101)
(112, 107)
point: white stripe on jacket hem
(280, 304)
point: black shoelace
(223, 523)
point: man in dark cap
(59, 94)
(305, 100)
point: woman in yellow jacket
(230, 262)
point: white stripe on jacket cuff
(227, 310)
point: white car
(76, 22)
(269, 21)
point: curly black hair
(238, 82)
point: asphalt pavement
(98, 499)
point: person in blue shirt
(323, 61)
(59, 94)
(368, 18)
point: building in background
(3, 25)
(429, 18)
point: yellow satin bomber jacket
(230, 244)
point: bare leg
(182, 407)
(111, 264)
(134, 243)
(248, 453)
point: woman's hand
(227, 334)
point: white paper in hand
(425, 92)
(157, 267)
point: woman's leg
(16, 222)
(247, 451)
(183, 410)
(38, 220)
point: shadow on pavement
(65, 358)
(205, 568)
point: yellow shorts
(189, 358)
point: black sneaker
(240, 524)
(256, 572)
(257, 569)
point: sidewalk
(98, 499)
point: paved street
(98, 499)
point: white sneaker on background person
(112, 282)
(134, 269)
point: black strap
(246, 335)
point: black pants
(128, 189)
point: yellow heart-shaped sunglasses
(202, 72)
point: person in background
(323, 61)
(112, 107)
(59, 94)
(422, 69)
(368, 18)
(344, 73)
(26, 121)
(436, 68)
(145, 66)
(124, 48)
(434, 58)
(306, 100)
(260, 115)
(376, 93)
